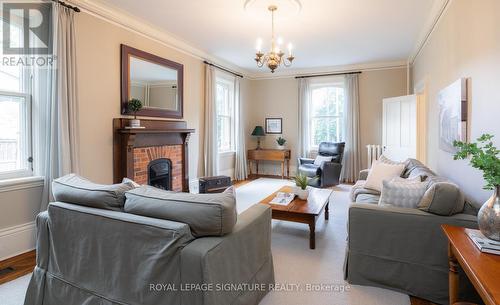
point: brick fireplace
(145, 155)
(136, 150)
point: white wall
(465, 43)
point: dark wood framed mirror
(156, 81)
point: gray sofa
(402, 249)
(89, 255)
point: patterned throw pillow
(400, 192)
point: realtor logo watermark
(27, 33)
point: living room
(372, 116)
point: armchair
(328, 173)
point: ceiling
(324, 33)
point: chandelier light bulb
(258, 45)
(290, 47)
(279, 41)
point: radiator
(374, 152)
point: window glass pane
(225, 115)
(326, 116)
(12, 134)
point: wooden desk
(482, 269)
(279, 155)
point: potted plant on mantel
(281, 143)
(484, 156)
(301, 186)
(134, 105)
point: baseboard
(17, 239)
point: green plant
(281, 141)
(134, 105)
(301, 181)
(483, 156)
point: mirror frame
(126, 52)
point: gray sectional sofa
(397, 248)
(90, 253)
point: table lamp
(258, 132)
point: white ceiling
(325, 33)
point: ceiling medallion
(275, 57)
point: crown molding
(437, 11)
(288, 73)
(142, 27)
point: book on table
(283, 198)
(483, 243)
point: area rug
(303, 276)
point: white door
(400, 127)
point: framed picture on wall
(274, 125)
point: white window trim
(229, 82)
(27, 125)
(313, 149)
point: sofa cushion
(78, 190)
(359, 188)
(367, 198)
(442, 198)
(206, 214)
(382, 171)
(406, 193)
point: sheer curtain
(55, 93)
(240, 163)
(210, 139)
(352, 153)
(304, 98)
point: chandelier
(275, 57)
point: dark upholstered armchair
(328, 173)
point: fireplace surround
(135, 149)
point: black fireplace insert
(160, 173)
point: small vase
(135, 123)
(488, 217)
(302, 194)
(281, 147)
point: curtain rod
(76, 9)
(222, 68)
(328, 74)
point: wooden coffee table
(303, 211)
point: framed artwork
(453, 115)
(274, 125)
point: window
(326, 114)
(15, 119)
(225, 115)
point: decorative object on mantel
(135, 149)
(274, 125)
(258, 132)
(484, 156)
(301, 186)
(274, 58)
(453, 115)
(135, 105)
(281, 143)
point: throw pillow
(386, 160)
(381, 171)
(131, 182)
(78, 190)
(442, 198)
(403, 192)
(320, 159)
(206, 214)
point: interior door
(399, 135)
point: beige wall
(374, 86)
(465, 43)
(279, 98)
(98, 52)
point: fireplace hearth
(159, 173)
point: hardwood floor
(17, 266)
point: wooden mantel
(155, 133)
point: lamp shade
(258, 131)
